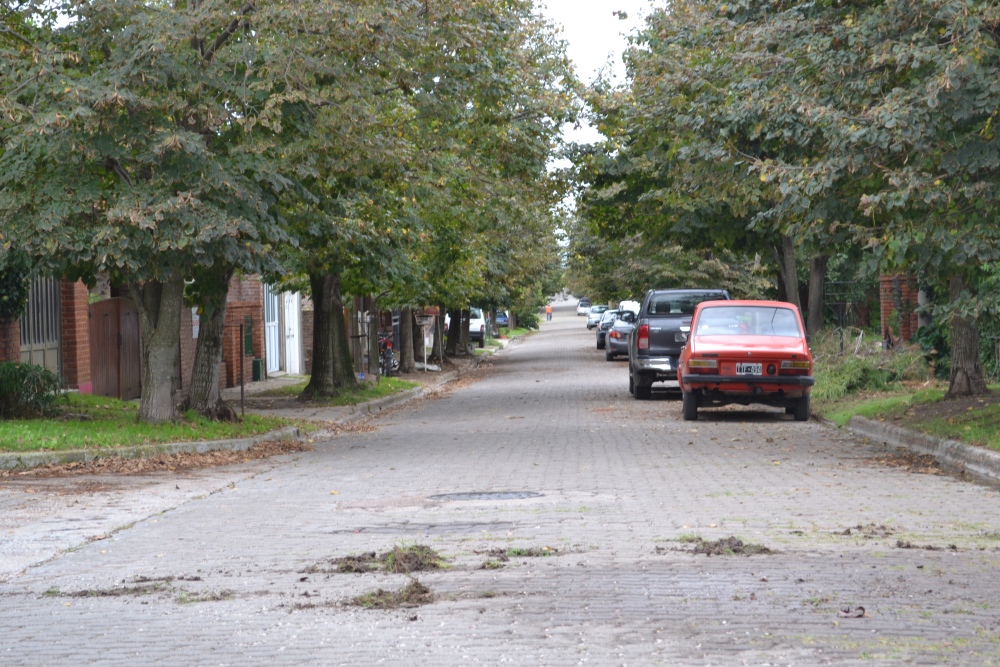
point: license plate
(749, 369)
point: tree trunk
(437, 351)
(966, 370)
(817, 280)
(789, 273)
(374, 329)
(204, 395)
(454, 332)
(159, 307)
(321, 378)
(406, 339)
(343, 363)
(464, 342)
(332, 366)
(418, 340)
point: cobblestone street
(554, 457)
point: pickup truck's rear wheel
(690, 404)
(643, 388)
(631, 383)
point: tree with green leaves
(138, 144)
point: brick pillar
(76, 335)
(898, 294)
(10, 339)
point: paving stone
(622, 486)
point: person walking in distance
(548, 312)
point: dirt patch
(728, 546)
(869, 532)
(948, 409)
(398, 560)
(497, 557)
(113, 465)
(923, 464)
(413, 594)
(900, 544)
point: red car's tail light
(795, 367)
(703, 365)
(643, 341)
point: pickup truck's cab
(661, 329)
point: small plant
(400, 560)
(413, 594)
(729, 546)
(27, 391)
(413, 558)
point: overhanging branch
(230, 30)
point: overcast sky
(595, 39)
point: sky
(595, 39)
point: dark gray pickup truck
(661, 329)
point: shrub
(27, 391)
(527, 319)
(863, 367)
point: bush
(527, 319)
(864, 366)
(27, 391)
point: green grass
(514, 333)
(368, 391)
(97, 422)
(978, 426)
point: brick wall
(10, 339)
(898, 294)
(246, 289)
(232, 346)
(75, 335)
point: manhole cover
(488, 495)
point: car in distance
(746, 352)
(618, 335)
(583, 306)
(603, 326)
(594, 316)
(661, 327)
(502, 319)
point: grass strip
(368, 391)
(98, 422)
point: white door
(292, 337)
(272, 332)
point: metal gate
(41, 325)
(115, 359)
(272, 331)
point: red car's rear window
(747, 321)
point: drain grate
(487, 495)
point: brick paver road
(614, 488)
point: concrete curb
(954, 455)
(34, 459)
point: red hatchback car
(746, 352)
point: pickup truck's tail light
(795, 367)
(703, 365)
(643, 341)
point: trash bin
(258, 370)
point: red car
(746, 352)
